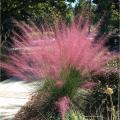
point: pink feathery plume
(38, 54)
(63, 105)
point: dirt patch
(33, 110)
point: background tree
(108, 10)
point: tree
(108, 10)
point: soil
(33, 109)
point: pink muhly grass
(42, 55)
(63, 105)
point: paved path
(13, 95)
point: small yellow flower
(109, 91)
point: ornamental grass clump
(63, 57)
(38, 53)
